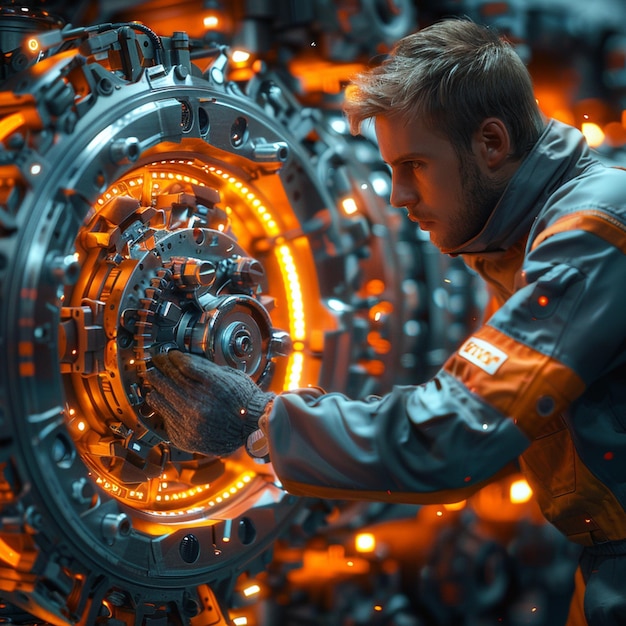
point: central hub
(235, 331)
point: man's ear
(492, 143)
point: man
(542, 382)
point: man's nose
(402, 192)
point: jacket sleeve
(508, 382)
(396, 448)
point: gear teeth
(145, 326)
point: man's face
(448, 196)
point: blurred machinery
(179, 174)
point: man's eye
(416, 165)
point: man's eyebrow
(409, 156)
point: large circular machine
(148, 201)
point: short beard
(481, 195)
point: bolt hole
(246, 531)
(199, 236)
(238, 132)
(189, 548)
(203, 121)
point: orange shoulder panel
(591, 221)
(520, 382)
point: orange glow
(292, 280)
(240, 56)
(324, 76)
(211, 21)
(615, 134)
(495, 8)
(327, 565)
(9, 555)
(543, 300)
(379, 344)
(10, 124)
(349, 206)
(27, 369)
(455, 506)
(507, 500)
(593, 133)
(296, 364)
(365, 542)
(296, 314)
(33, 44)
(375, 287)
(553, 100)
(520, 492)
(251, 590)
(26, 348)
(373, 367)
(380, 310)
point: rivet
(545, 405)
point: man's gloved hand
(207, 408)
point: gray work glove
(206, 408)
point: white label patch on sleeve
(483, 354)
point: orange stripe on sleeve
(590, 221)
(527, 386)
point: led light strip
(226, 493)
(283, 254)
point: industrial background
(177, 172)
